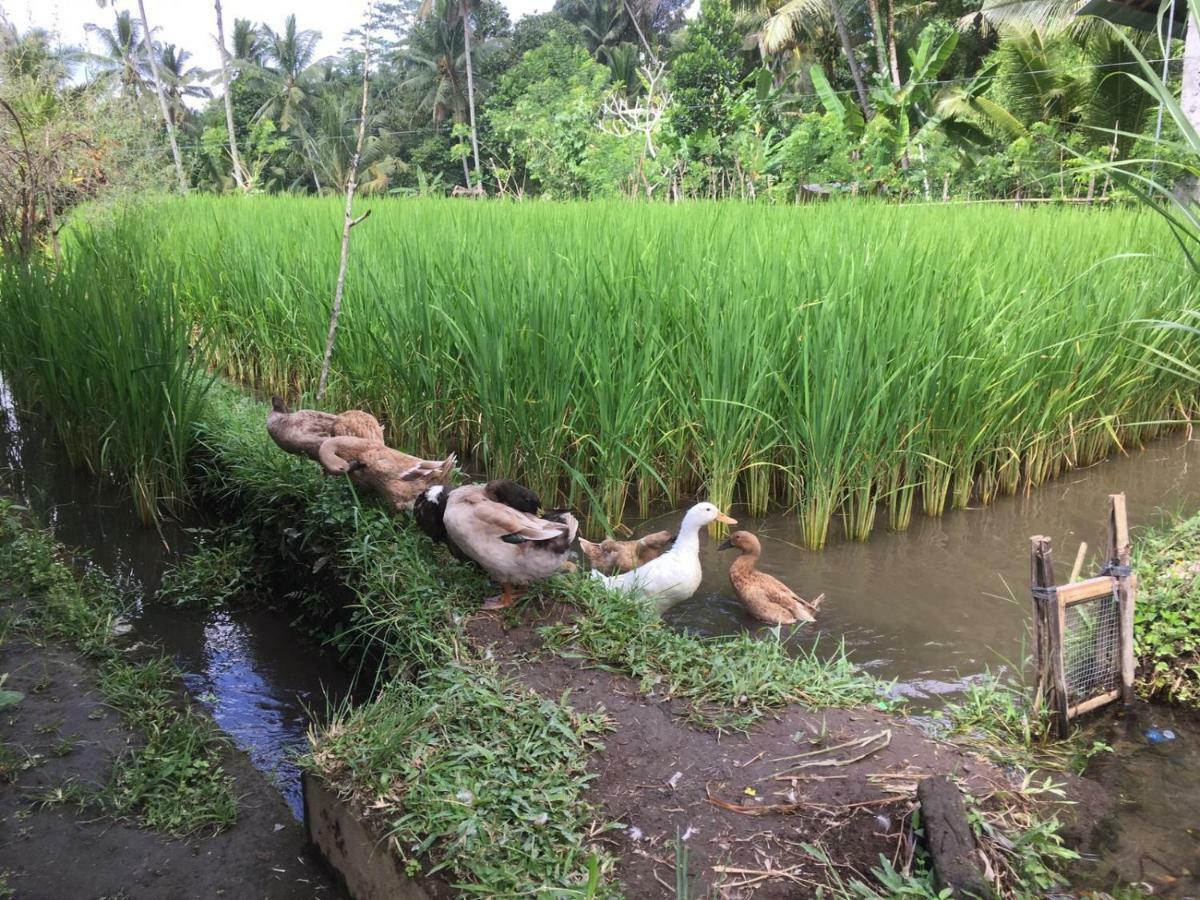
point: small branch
(354, 222)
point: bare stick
(348, 220)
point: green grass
(171, 777)
(220, 568)
(841, 358)
(491, 774)
(104, 348)
(1167, 617)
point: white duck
(675, 575)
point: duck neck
(688, 539)
(747, 560)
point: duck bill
(725, 545)
(728, 520)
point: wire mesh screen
(1092, 648)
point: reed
(834, 358)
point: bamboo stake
(348, 221)
(1119, 553)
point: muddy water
(948, 598)
(260, 678)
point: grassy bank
(172, 779)
(1167, 625)
(836, 358)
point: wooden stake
(1078, 567)
(348, 220)
(1119, 552)
(1041, 577)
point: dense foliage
(1167, 627)
(604, 97)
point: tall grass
(104, 347)
(835, 359)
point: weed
(1167, 623)
(219, 569)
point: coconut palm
(180, 80)
(121, 56)
(288, 56)
(248, 46)
(458, 13)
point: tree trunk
(466, 17)
(641, 36)
(848, 49)
(162, 98)
(893, 60)
(1190, 90)
(348, 220)
(233, 147)
(880, 36)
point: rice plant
(834, 359)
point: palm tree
(148, 53)
(288, 56)
(120, 58)
(602, 22)
(454, 12)
(786, 25)
(180, 80)
(226, 87)
(248, 45)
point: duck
(397, 477)
(765, 597)
(674, 576)
(357, 423)
(614, 557)
(514, 547)
(429, 509)
(300, 431)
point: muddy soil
(744, 813)
(62, 732)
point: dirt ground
(843, 780)
(62, 731)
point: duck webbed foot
(503, 600)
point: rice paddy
(853, 361)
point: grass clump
(1167, 617)
(484, 777)
(220, 568)
(171, 777)
(105, 348)
(730, 681)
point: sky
(191, 24)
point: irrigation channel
(260, 678)
(930, 608)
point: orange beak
(721, 517)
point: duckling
(765, 597)
(617, 557)
(674, 576)
(395, 476)
(300, 432)
(356, 423)
(515, 548)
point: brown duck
(614, 557)
(765, 597)
(356, 423)
(395, 476)
(300, 431)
